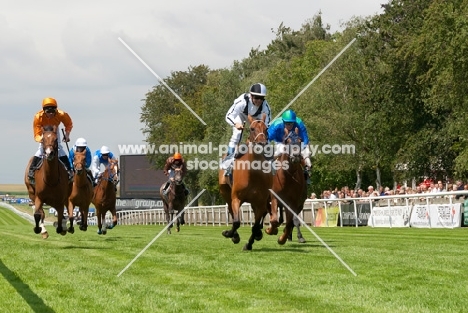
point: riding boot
(307, 175)
(186, 191)
(166, 189)
(32, 169)
(66, 162)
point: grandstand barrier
(433, 210)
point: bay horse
(174, 201)
(105, 196)
(251, 181)
(290, 185)
(82, 189)
(51, 185)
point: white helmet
(105, 150)
(81, 142)
(258, 90)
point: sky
(71, 51)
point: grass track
(197, 270)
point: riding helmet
(177, 156)
(81, 142)
(49, 102)
(289, 116)
(258, 90)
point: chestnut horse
(174, 201)
(252, 179)
(82, 190)
(289, 184)
(51, 185)
(104, 196)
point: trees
(398, 95)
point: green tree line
(397, 94)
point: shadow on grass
(35, 303)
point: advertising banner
(436, 216)
(390, 216)
(327, 217)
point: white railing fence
(348, 210)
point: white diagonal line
(316, 236)
(160, 233)
(162, 81)
(316, 77)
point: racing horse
(82, 190)
(174, 201)
(250, 183)
(290, 185)
(104, 196)
(51, 185)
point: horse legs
(104, 222)
(232, 233)
(71, 217)
(39, 220)
(84, 218)
(256, 232)
(273, 229)
(297, 224)
(287, 232)
(114, 219)
(99, 218)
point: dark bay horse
(250, 183)
(174, 201)
(290, 185)
(51, 185)
(104, 196)
(82, 190)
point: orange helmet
(177, 156)
(49, 102)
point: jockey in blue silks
(289, 122)
(101, 156)
(80, 145)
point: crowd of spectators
(427, 186)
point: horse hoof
(63, 233)
(271, 231)
(301, 240)
(59, 230)
(104, 232)
(45, 235)
(110, 227)
(259, 236)
(226, 234)
(235, 239)
(55, 224)
(71, 230)
(178, 229)
(37, 230)
(99, 232)
(247, 247)
(281, 241)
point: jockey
(252, 103)
(101, 156)
(50, 115)
(172, 163)
(80, 146)
(290, 122)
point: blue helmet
(289, 116)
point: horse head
(293, 143)
(49, 141)
(111, 174)
(79, 161)
(258, 130)
(177, 175)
